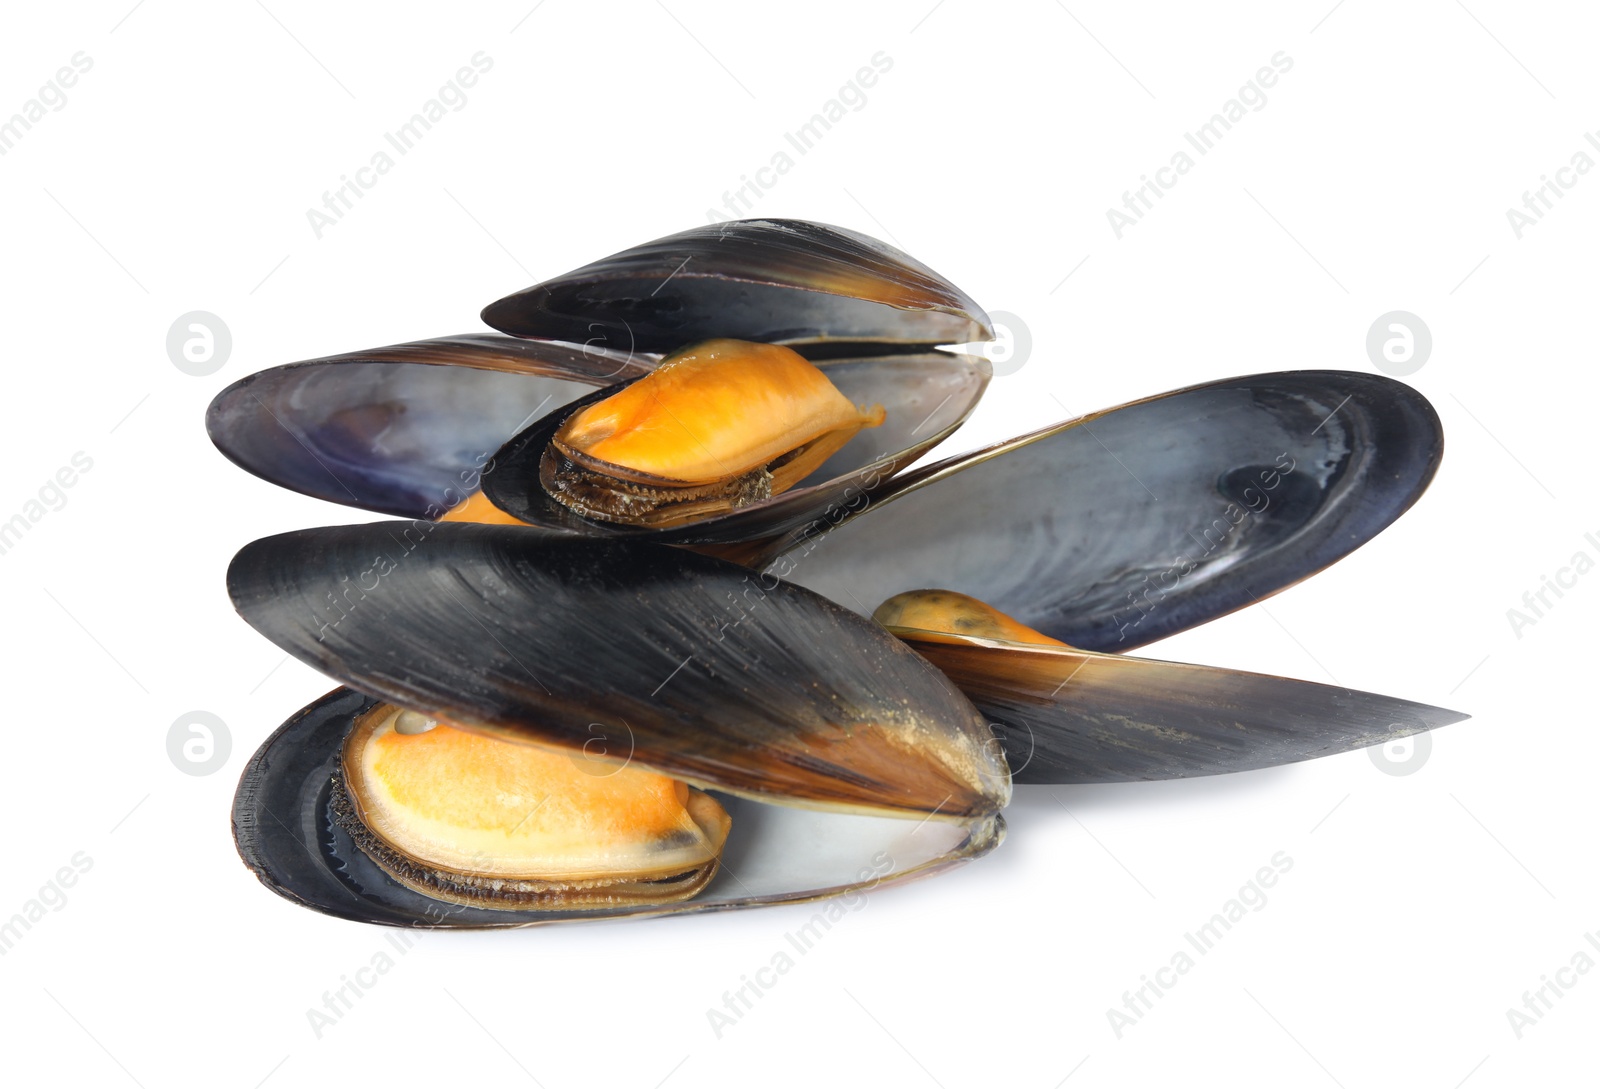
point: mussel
(670, 645)
(465, 818)
(716, 426)
(628, 657)
(412, 429)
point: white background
(1377, 177)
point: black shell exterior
(686, 664)
(1125, 526)
(1072, 716)
(777, 281)
(406, 430)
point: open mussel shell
(777, 281)
(926, 396)
(404, 430)
(1074, 716)
(286, 833)
(687, 665)
(1122, 527)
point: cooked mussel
(870, 318)
(925, 397)
(716, 426)
(415, 429)
(287, 834)
(691, 670)
(473, 820)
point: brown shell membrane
(613, 493)
(604, 497)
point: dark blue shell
(1124, 527)
(403, 430)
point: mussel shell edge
(777, 281)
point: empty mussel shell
(1125, 526)
(778, 281)
(406, 430)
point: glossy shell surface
(689, 665)
(405, 430)
(1128, 525)
(1074, 716)
(779, 281)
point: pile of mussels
(667, 624)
